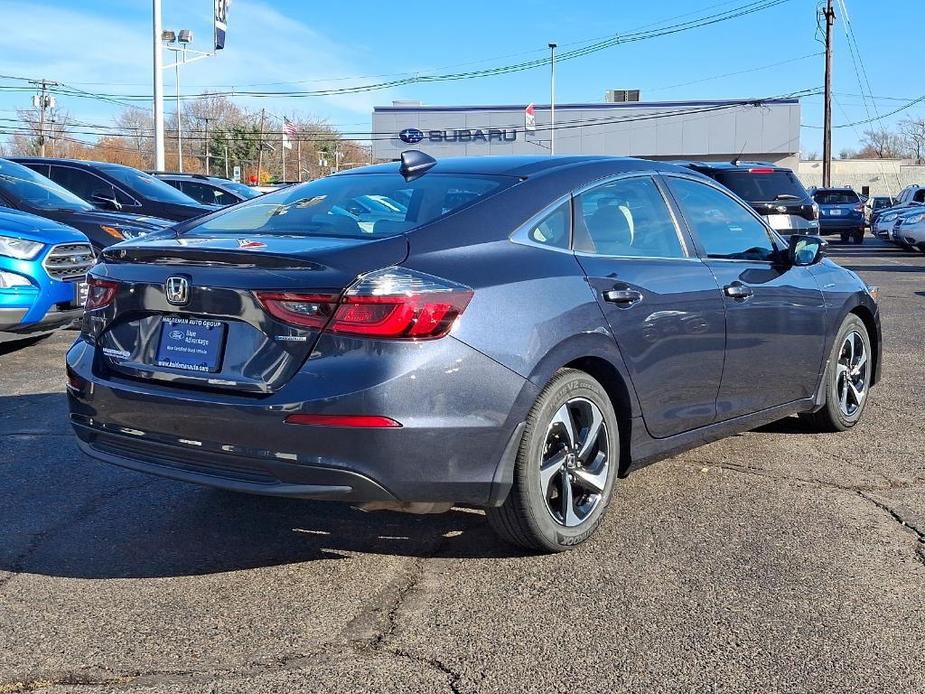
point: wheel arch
(873, 332)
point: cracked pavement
(777, 560)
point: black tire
(859, 236)
(832, 417)
(526, 517)
(844, 237)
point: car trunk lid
(185, 310)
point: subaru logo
(411, 135)
(176, 290)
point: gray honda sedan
(524, 333)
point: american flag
(289, 132)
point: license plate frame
(196, 345)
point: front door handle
(623, 297)
(738, 291)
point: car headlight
(133, 233)
(888, 217)
(914, 219)
(19, 248)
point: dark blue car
(527, 332)
(841, 211)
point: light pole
(158, 89)
(552, 98)
(183, 38)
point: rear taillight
(100, 292)
(305, 310)
(394, 303)
(761, 171)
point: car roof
(74, 162)
(729, 166)
(192, 176)
(834, 189)
(522, 166)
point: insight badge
(475, 136)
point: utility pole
(207, 119)
(158, 88)
(263, 115)
(829, 13)
(42, 101)
(176, 72)
(552, 99)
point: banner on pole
(221, 22)
(530, 119)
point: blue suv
(42, 269)
(841, 212)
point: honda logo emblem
(176, 289)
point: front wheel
(565, 469)
(847, 379)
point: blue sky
(104, 46)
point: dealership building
(765, 130)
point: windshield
(763, 187)
(836, 197)
(147, 186)
(245, 192)
(33, 190)
(340, 205)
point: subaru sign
(411, 135)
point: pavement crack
(903, 523)
(66, 679)
(454, 678)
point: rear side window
(763, 185)
(836, 197)
(725, 228)
(356, 205)
(628, 217)
(919, 195)
(553, 230)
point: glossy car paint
(46, 304)
(462, 399)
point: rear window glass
(147, 185)
(355, 205)
(836, 197)
(763, 187)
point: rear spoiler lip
(207, 257)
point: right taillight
(394, 303)
(100, 292)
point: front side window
(725, 228)
(355, 205)
(145, 185)
(627, 217)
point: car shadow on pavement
(65, 514)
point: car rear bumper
(836, 226)
(455, 431)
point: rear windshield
(355, 205)
(836, 197)
(147, 185)
(763, 187)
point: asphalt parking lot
(772, 561)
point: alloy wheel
(851, 374)
(576, 462)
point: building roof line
(582, 106)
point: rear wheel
(859, 236)
(847, 379)
(844, 237)
(565, 468)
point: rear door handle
(738, 291)
(623, 297)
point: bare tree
(881, 144)
(913, 133)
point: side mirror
(806, 250)
(107, 200)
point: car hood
(34, 228)
(116, 219)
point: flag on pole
(220, 17)
(289, 132)
(530, 118)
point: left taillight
(394, 303)
(100, 292)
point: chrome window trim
(651, 174)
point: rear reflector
(100, 292)
(343, 420)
